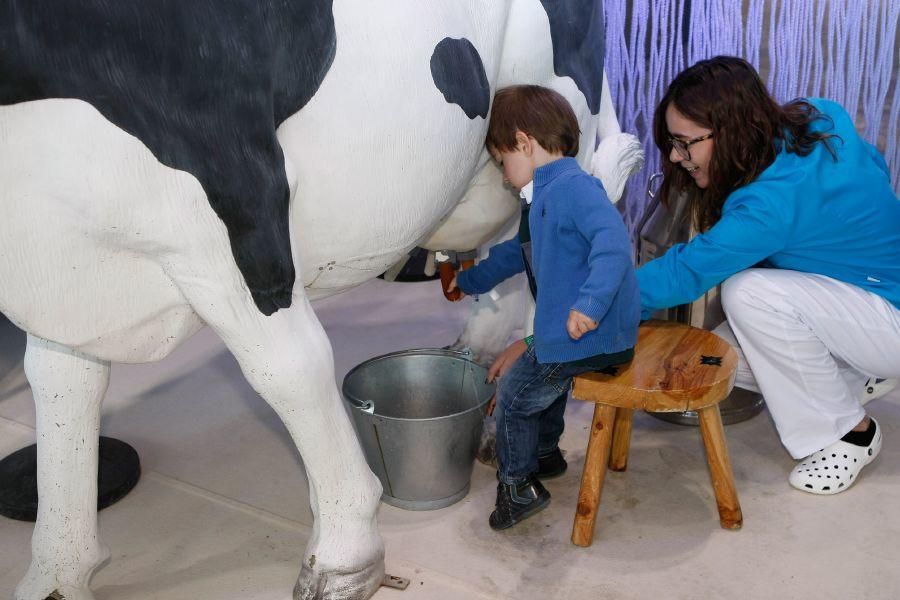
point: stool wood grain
(675, 368)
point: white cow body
(108, 255)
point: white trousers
(807, 343)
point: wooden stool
(675, 368)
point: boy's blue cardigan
(582, 260)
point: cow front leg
(287, 358)
(68, 388)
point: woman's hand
(579, 324)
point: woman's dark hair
(726, 95)
(538, 112)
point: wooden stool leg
(621, 439)
(720, 472)
(593, 475)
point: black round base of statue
(740, 405)
(120, 470)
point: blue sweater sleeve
(504, 260)
(751, 229)
(609, 259)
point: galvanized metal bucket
(418, 415)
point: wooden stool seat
(675, 368)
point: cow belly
(381, 154)
(77, 249)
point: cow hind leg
(68, 388)
(288, 360)
(344, 560)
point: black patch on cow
(577, 31)
(203, 84)
(458, 73)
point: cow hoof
(314, 584)
(24, 592)
(56, 583)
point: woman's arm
(752, 229)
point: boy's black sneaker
(516, 502)
(552, 465)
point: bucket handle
(367, 406)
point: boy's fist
(452, 286)
(579, 324)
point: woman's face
(683, 129)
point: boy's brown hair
(538, 112)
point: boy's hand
(452, 286)
(506, 359)
(492, 404)
(501, 365)
(579, 324)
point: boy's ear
(523, 142)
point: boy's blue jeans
(531, 401)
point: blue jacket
(581, 257)
(808, 213)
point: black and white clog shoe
(835, 468)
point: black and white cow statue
(171, 164)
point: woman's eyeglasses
(682, 146)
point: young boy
(573, 247)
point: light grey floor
(221, 511)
